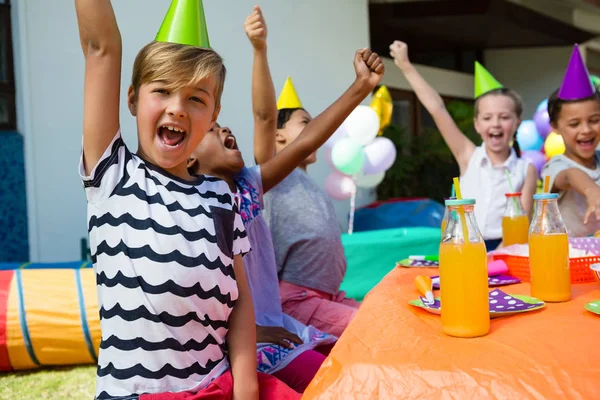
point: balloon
(379, 156)
(595, 81)
(554, 145)
(328, 157)
(543, 105)
(528, 136)
(362, 125)
(542, 123)
(383, 106)
(339, 186)
(369, 181)
(536, 158)
(348, 156)
(340, 133)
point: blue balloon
(543, 105)
(528, 136)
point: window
(7, 77)
(456, 60)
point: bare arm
(528, 190)
(461, 147)
(369, 70)
(241, 339)
(101, 44)
(264, 105)
(576, 179)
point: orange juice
(515, 230)
(549, 267)
(444, 224)
(464, 285)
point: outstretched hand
(368, 66)
(593, 199)
(256, 29)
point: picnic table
(392, 350)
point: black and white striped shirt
(163, 253)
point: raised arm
(369, 70)
(264, 106)
(101, 44)
(461, 147)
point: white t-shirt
(572, 204)
(487, 184)
(163, 253)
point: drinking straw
(461, 211)
(453, 194)
(546, 189)
(512, 189)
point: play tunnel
(48, 315)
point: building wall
(313, 41)
(533, 72)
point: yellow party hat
(288, 97)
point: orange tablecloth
(392, 350)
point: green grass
(73, 383)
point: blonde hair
(180, 65)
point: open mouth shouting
(171, 136)
(496, 137)
(230, 142)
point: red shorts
(270, 388)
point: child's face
(579, 125)
(171, 124)
(496, 122)
(218, 154)
(290, 131)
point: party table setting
(521, 322)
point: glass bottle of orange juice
(515, 223)
(463, 273)
(549, 251)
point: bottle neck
(547, 218)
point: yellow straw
(546, 188)
(461, 211)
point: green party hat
(484, 81)
(184, 24)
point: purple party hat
(576, 84)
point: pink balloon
(339, 186)
(536, 158)
(380, 154)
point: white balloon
(340, 133)
(362, 125)
(379, 156)
(369, 181)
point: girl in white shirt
(482, 168)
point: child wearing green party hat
(175, 308)
(574, 111)
(483, 168)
